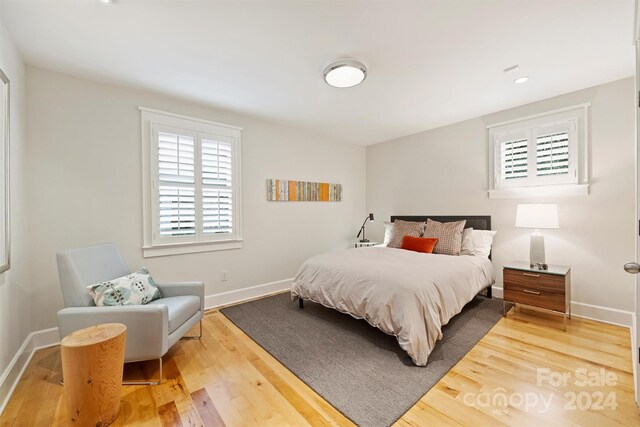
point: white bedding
(407, 294)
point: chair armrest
(183, 288)
(147, 326)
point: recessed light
(106, 1)
(521, 80)
(345, 73)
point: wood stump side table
(92, 365)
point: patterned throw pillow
(404, 228)
(135, 288)
(449, 235)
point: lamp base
(536, 250)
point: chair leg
(147, 382)
(194, 337)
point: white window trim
(580, 186)
(149, 117)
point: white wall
(85, 187)
(15, 312)
(445, 172)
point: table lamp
(537, 216)
(370, 218)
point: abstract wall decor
(280, 190)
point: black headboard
(477, 222)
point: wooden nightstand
(545, 289)
(359, 244)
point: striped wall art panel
(280, 190)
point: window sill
(190, 248)
(541, 191)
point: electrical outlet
(224, 276)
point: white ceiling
(430, 63)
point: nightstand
(544, 289)
(359, 244)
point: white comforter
(407, 294)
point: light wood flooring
(226, 379)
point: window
(191, 175)
(540, 155)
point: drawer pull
(531, 275)
(527, 291)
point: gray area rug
(357, 368)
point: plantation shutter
(542, 150)
(217, 185)
(514, 158)
(191, 184)
(176, 183)
(195, 185)
(538, 155)
(553, 151)
(553, 154)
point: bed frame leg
(300, 303)
(490, 292)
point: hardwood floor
(226, 379)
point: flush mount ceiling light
(345, 73)
(521, 80)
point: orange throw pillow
(419, 244)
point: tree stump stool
(92, 364)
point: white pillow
(467, 243)
(388, 227)
(482, 241)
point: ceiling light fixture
(106, 1)
(345, 73)
(521, 80)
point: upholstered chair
(151, 328)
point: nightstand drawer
(534, 296)
(543, 282)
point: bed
(406, 294)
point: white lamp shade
(537, 216)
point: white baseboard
(12, 374)
(602, 314)
(496, 292)
(593, 312)
(240, 295)
(45, 338)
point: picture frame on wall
(5, 244)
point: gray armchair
(151, 329)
